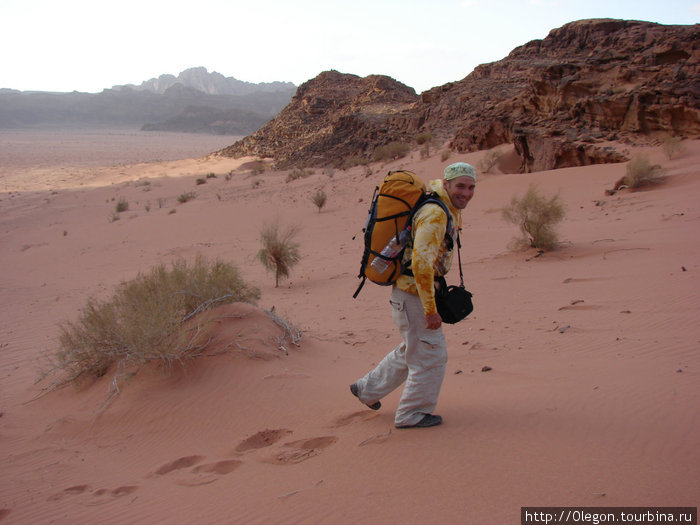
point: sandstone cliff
(557, 100)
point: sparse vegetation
(445, 155)
(279, 252)
(187, 196)
(672, 146)
(122, 205)
(391, 151)
(536, 217)
(211, 175)
(422, 138)
(153, 317)
(298, 173)
(489, 160)
(200, 181)
(641, 172)
(319, 199)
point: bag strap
(459, 258)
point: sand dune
(591, 397)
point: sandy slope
(592, 397)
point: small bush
(319, 199)
(489, 160)
(147, 319)
(211, 175)
(641, 172)
(200, 181)
(445, 155)
(672, 146)
(279, 252)
(536, 217)
(184, 197)
(391, 151)
(298, 173)
(422, 138)
(122, 205)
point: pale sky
(90, 45)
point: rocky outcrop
(557, 100)
(331, 117)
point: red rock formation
(557, 100)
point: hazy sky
(89, 45)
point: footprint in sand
(363, 415)
(81, 489)
(200, 474)
(262, 439)
(183, 462)
(298, 451)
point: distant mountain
(210, 83)
(193, 102)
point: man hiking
(420, 360)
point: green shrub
(319, 199)
(279, 251)
(641, 172)
(211, 175)
(150, 318)
(536, 217)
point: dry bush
(150, 318)
(536, 217)
(122, 205)
(672, 146)
(187, 196)
(489, 160)
(319, 199)
(279, 251)
(391, 151)
(423, 138)
(641, 172)
(445, 155)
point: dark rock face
(331, 116)
(558, 100)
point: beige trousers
(420, 360)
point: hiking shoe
(429, 420)
(355, 392)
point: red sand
(592, 398)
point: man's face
(460, 191)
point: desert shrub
(489, 160)
(298, 173)
(319, 199)
(150, 318)
(279, 251)
(445, 155)
(672, 146)
(122, 205)
(200, 181)
(351, 161)
(211, 175)
(536, 217)
(423, 138)
(391, 151)
(641, 172)
(184, 197)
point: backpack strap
(431, 199)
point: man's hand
(433, 322)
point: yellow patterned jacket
(429, 256)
